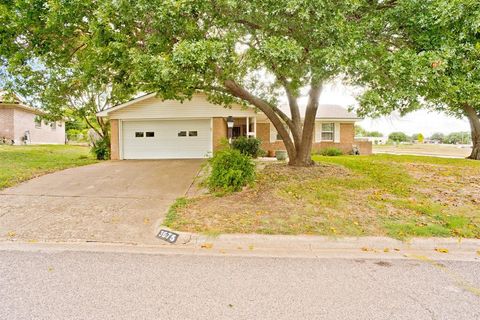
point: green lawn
(20, 163)
(398, 196)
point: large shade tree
(252, 52)
(67, 94)
(423, 54)
(41, 63)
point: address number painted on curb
(168, 236)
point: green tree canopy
(437, 136)
(376, 134)
(423, 54)
(398, 137)
(252, 52)
(360, 132)
(458, 138)
(418, 137)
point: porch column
(247, 120)
(114, 140)
(254, 127)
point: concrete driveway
(115, 201)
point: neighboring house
(150, 128)
(22, 124)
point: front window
(328, 131)
(38, 122)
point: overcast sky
(422, 121)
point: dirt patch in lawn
(447, 186)
(376, 195)
(285, 200)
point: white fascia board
(338, 119)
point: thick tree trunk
(303, 156)
(273, 115)
(298, 149)
(475, 155)
(304, 151)
(474, 120)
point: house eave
(21, 106)
(339, 119)
(105, 113)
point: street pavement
(71, 284)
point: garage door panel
(166, 142)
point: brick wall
(219, 132)
(347, 132)
(365, 147)
(347, 140)
(6, 123)
(114, 140)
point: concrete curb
(244, 245)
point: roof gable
(327, 112)
(16, 102)
(149, 106)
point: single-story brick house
(22, 124)
(151, 128)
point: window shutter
(337, 132)
(318, 131)
(273, 133)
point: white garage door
(166, 139)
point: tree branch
(249, 24)
(271, 112)
(101, 134)
(296, 126)
(83, 45)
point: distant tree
(458, 138)
(360, 132)
(420, 138)
(398, 137)
(376, 134)
(437, 136)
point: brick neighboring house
(150, 128)
(22, 124)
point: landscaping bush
(249, 146)
(231, 170)
(331, 152)
(101, 148)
